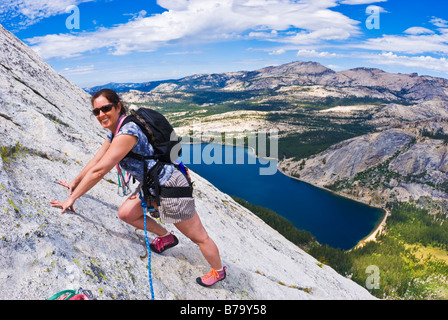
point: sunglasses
(105, 109)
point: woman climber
(109, 111)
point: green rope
(63, 295)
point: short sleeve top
(144, 148)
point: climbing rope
(123, 184)
(146, 209)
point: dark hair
(110, 95)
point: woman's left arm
(118, 149)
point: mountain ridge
(408, 86)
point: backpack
(167, 148)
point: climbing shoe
(212, 277)
(160, 244)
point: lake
(332, 219)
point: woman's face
(109, 118)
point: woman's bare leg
(131, 212)
(193, 229)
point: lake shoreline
(378, 228)
(369, 237)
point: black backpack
(167, 148)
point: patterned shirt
(144, 148)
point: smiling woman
(102, 102)
(122, 141)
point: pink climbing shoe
(212, 277)
(160, 244)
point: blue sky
(138, 41)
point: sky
(94, 42)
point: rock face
(398, 164)
(47, 134)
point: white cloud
(352, 2)
(418, 30)
(335, 67)
(277, 52)
(415, 40)
(314, 54)
(317, 36)
(310, 21)
(373, 9)
(28, 12)
(177, 5)
(181, 53)
(413, 44)
(438, 22)
(425, 62)
(65, 45)
(263, 35)
(79, 70)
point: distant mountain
(124, 87)
(392, 86)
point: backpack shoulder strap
(134, 117)
(121, 122)
(146, 131)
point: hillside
(400, 164)
(47, 134)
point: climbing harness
(165, 144)
(79, 294)
(147, 209)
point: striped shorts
(173, 210)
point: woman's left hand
(67, 204)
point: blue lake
(332, 219)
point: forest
(411, 255)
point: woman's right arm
(100, 153)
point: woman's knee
(200, 239)
(123, 213)
(199, 236)
(130, 210)
(193, 229)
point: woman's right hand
(69, 185)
